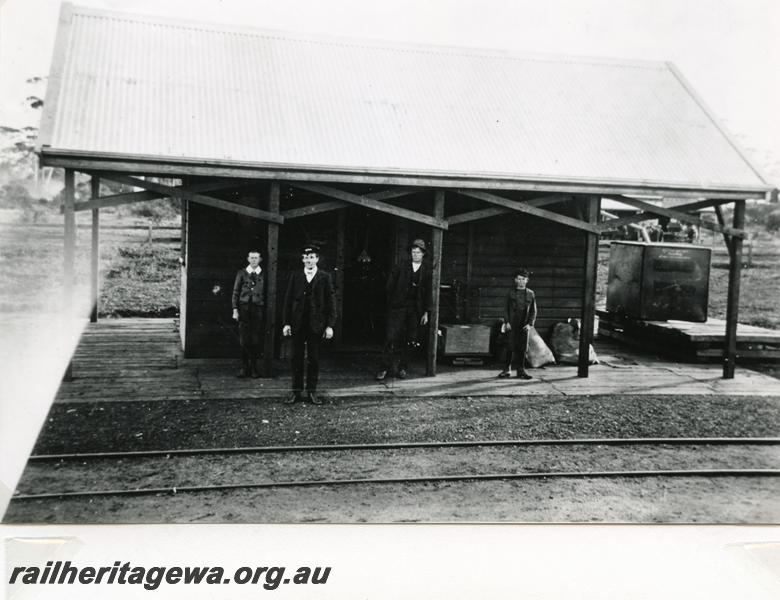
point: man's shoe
(293, 398)
(314, 398)
(401, 373)
(504, 374)
(381, 375)
(523, 375)
(243, 373)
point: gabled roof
(134, 87)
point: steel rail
(396, 480)
(742, 441)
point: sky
(727, 49)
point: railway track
(342, 455)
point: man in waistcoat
(249, 310)
(519, 317)
(309, 316)
(408, 304)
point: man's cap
(310, 249)
(418, 244)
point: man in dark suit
(249, 310)
(408, 304)
(309, 315)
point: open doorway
(369, 248)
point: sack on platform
(538, 353)
(565, 342)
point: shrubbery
(773, 220)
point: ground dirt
(241, 423)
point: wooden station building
(274, 139)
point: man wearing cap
(519, 317)
(309, 315)
(248, 302)
(408, 304)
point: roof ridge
(360, 42)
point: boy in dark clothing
(519, 317)
(249, 310)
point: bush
(773, 220)
(15, 195)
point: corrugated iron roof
(136, 86)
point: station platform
(140, 359)
(688, 341)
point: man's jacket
(322, 302)
(398, 284)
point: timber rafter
(371, 201)
(187, 194)
(313, 209)
(152, 165)
(528, 208)
(484, 213)
(133, 197)
(652, 211)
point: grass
(139, 278)
(142, 281)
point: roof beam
(132, 197)
(525, 207)
(655, 209)
(369, 202)
(178, 192)
(476, 215)
(484, 213)
(651, 211)
(313, 209)
(390, 193)
(152, 165)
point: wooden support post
(69, 255)
(271, 264)
(732, 306)
(437, 237)
(341, 235)
(722, 223)
(95, 256)
(183, 262)
(589, 287)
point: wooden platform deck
(140, 359)
(695, 342)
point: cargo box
(659, 282)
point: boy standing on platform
(519, 317)
(249, 310)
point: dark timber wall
(217, 245)
(553, 253)
(217, 242)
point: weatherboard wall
(218, 241)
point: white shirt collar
(258, 270)
(416, 266)
(310, 274)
